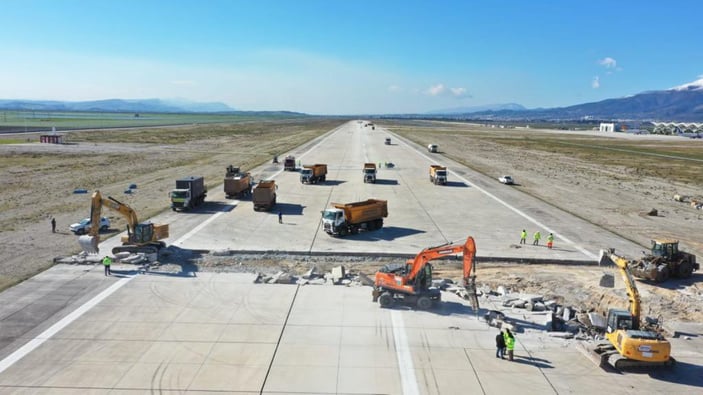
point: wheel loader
(664, 261)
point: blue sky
(348, 57)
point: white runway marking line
(515, 210)
(205, 223)
(408, 380)
(64, 322)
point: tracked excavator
(141, 237)
(628, 343)
(411, 282)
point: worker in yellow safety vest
(509, 343)
(107, 261)
(550, 240)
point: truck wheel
(662, 274)
(685, 269)
(424, 303)
(385, 300)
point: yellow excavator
(629, 345)
(145, 237)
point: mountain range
(117, 105)
(683, 103)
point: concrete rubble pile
(561, 321)
(337, 276)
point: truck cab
(388, 141)
(440, 177)
(370, 174)
(333, 219)
(305, 175)
(180, 198)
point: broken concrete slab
(501, 290)
(338, 273)
(365, 280)
(597, 320)
(520, 304)
(310, 273)
(561, 335)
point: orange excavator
(411, 283)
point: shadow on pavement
(210, 208)
(380, 181)
(385, 233)
(681, 373)
(331, 183)
(456, 184)
(536, 362)
(288, 209)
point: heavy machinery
(144, 237)
(348, 218)
(664, 261)
(629, 344)
(190, 192)
(312, 174)
(264, 197)
(369, 171)
(237, 183)
(411, 283)
(438, 175)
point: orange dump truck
(342, 219)
(312, 174)
(236, 182)
(438, 175)
(264, 196)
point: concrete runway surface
(73, 330)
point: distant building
(607, 127)
(677, 128)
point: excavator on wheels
(144, 237)
(411, 283)
(629, 344)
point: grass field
(34, 120)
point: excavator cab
(619, 319)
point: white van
(432, 147)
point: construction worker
(500, 344)
(537, 237)
(509, 343)
(53, 225)
(280, 217)
(107, 261)
(523, 237)
(550, 241)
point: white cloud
(442, 90)
(436, 90)
(458, 92)
(595, 84)
(608, 63)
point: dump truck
(432, 148)
(312, 174)
(369, 172)
(289, 163)
(350, 218)
(388, 141)
(190, 192)
(264, 196)
(237, 183)
(438, 175)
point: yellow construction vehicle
(144, 237)
(628, 344)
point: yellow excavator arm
(610, 258)
(91, 240)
